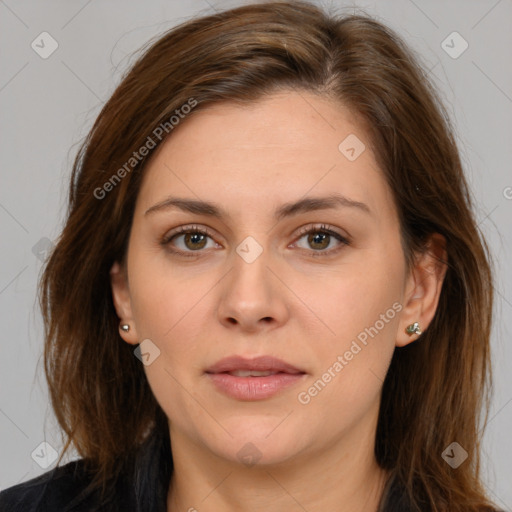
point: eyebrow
(286, 210)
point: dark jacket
(141, 486)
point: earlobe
(423, 290)
(413, 329)
(122, 303)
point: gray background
(48, 105)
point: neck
(344, 477)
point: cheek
(166, 297)
(166, 310)
(362, 310)
(366, 296)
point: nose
(252, 296)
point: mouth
(253, 379)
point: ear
(423, 288)
(122, 302)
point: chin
(258, 443)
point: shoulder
(140, 484)
(61, 489)
(395, 498)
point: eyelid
(326, 228)
(188, 228)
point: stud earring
(413, 329)
(125, 327)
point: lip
(253, 388)
(261, 363)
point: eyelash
(191, 229)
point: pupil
(194, 238)
(318, 238)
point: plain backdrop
(48, 103)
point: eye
(320, 237)
(193, 239)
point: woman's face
(254, 283)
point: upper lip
(261, 363)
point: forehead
(283, 147)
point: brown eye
(320, 238)
(187, 240)
(194, 241)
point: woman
(271, 265)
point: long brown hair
(435, 388)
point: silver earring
(413, 329)
(125, 327)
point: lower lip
(253, 388)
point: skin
(287, 303)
